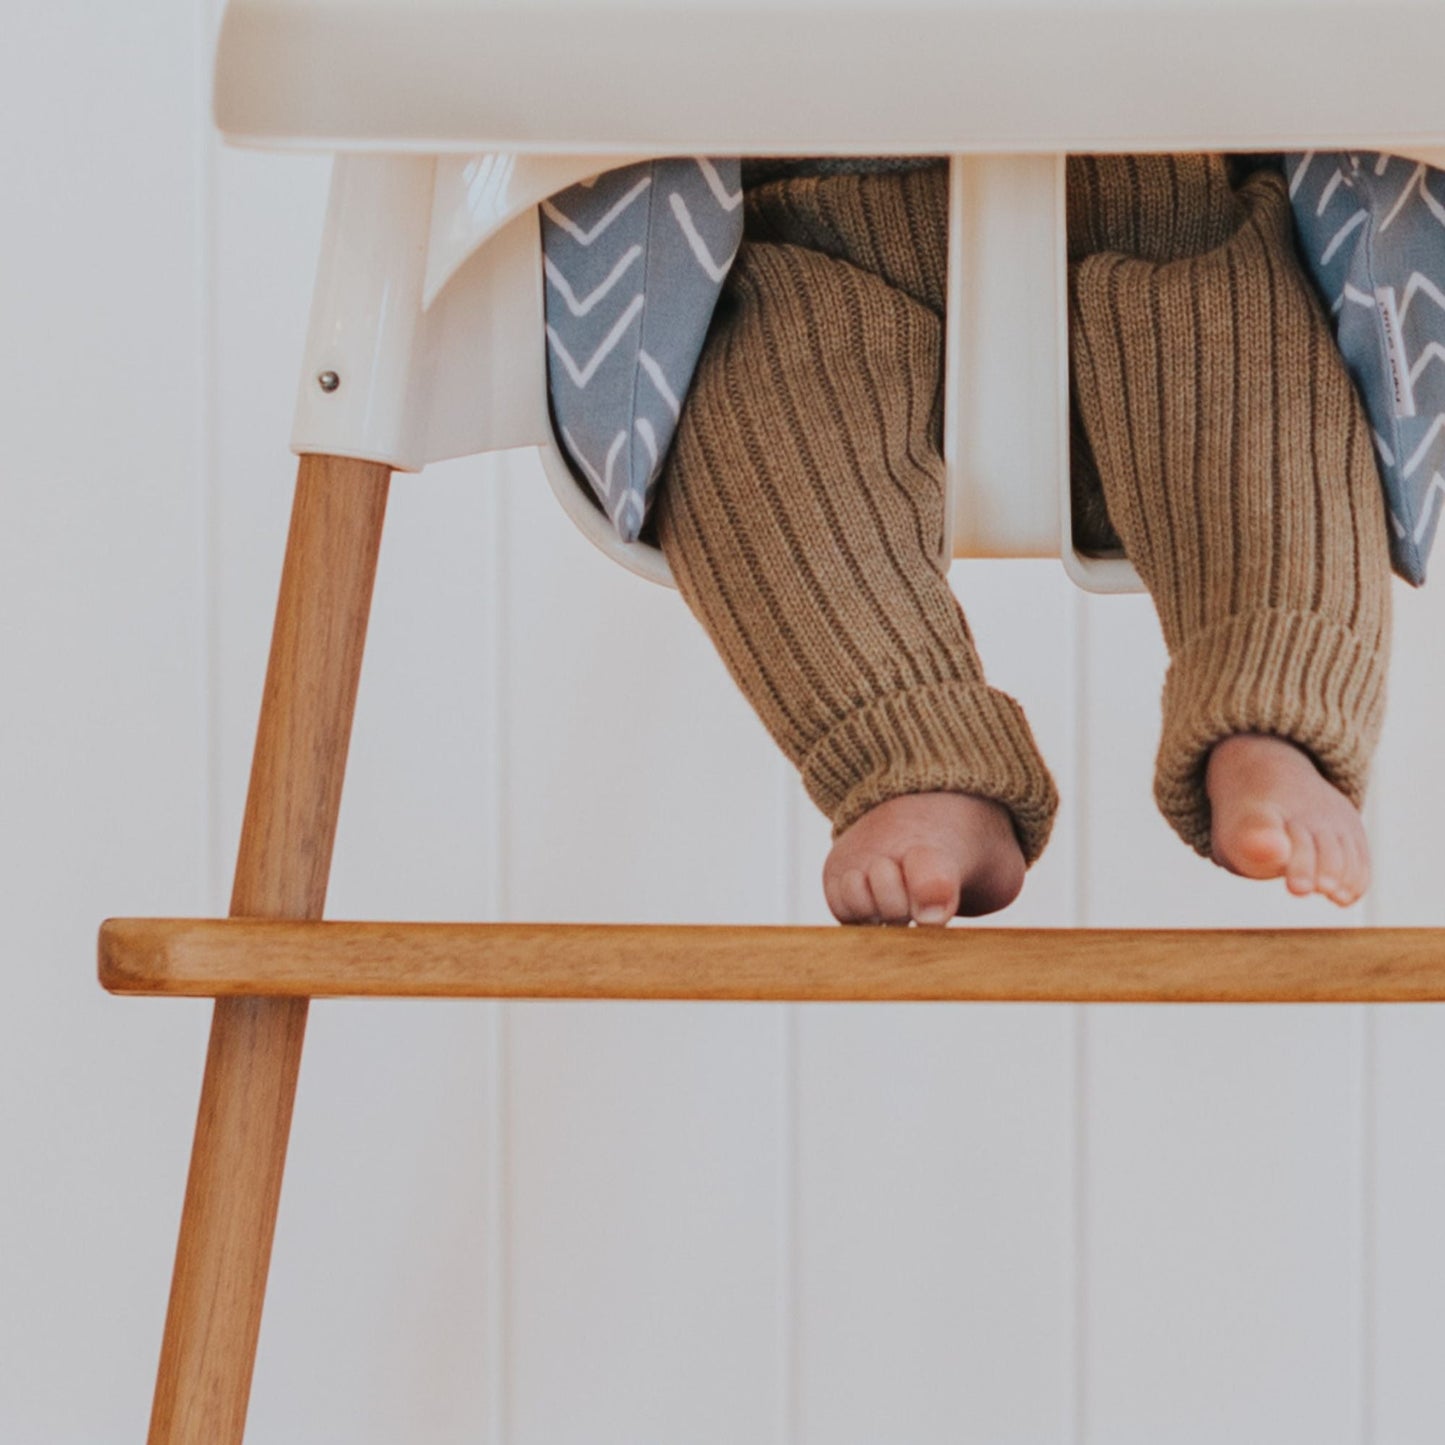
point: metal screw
(328, 381)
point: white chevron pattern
(580, 457)
(602, 482)
(647, 434)
(1300, 171)
(1354, 295)
(728, 200)
(715, 269)
(1416, 176)
(629, 515)
(587, 303)
(656, 377)
(584, 237)
(629, 288)
(612, 454)
(1340, 236)
(1427, 511)
(581, 375)
(1370, 226)
(1433, 352)
(1423, 450)
(1436, 208)
(1419, 284)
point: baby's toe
(855, 899)
(1330, 865)
(1300, 871)
(1360, 877)
(1253, 842)
(1354, 869)
(1357, 851)
(885, 881)
(933, 884)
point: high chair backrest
(453, 120)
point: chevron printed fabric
(634, 259)
(1372, 228)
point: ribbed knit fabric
(802, 506)
(758, 170)
(1235, 462)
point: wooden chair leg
(219, 1283)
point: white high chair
(451, 120)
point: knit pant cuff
(948, 737)
(1293, 675)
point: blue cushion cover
(1372, 229)
(635, 260)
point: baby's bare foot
(925, 857)
(1275, 816)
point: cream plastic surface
(428, 306)
(816, 76)
(428, 327)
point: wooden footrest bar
(223, 957)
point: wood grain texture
(220, 958)
(239, 1155)
(311, 681)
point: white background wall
(548, 1224)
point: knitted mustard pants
(802, 506)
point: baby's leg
(802, 514)
(1237, 468)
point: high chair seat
(918, 76)
(454, 120)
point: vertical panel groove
(214, 882)
(499, 1249)
(1081, 912)
(1373, 912)
(1080, 1279)
(1081, 799)
(788, 1320)
(499, 549)
(1368, 1213)
(790, 835)
(495, 553)
(789, 1323)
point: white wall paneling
(934, 1225)
(645, 1140)
(1220, 1228)
(103, 787)
(1406, 1181)
(543, 1224)
(935, 1169)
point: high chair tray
(216, 957)
(820, 76)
